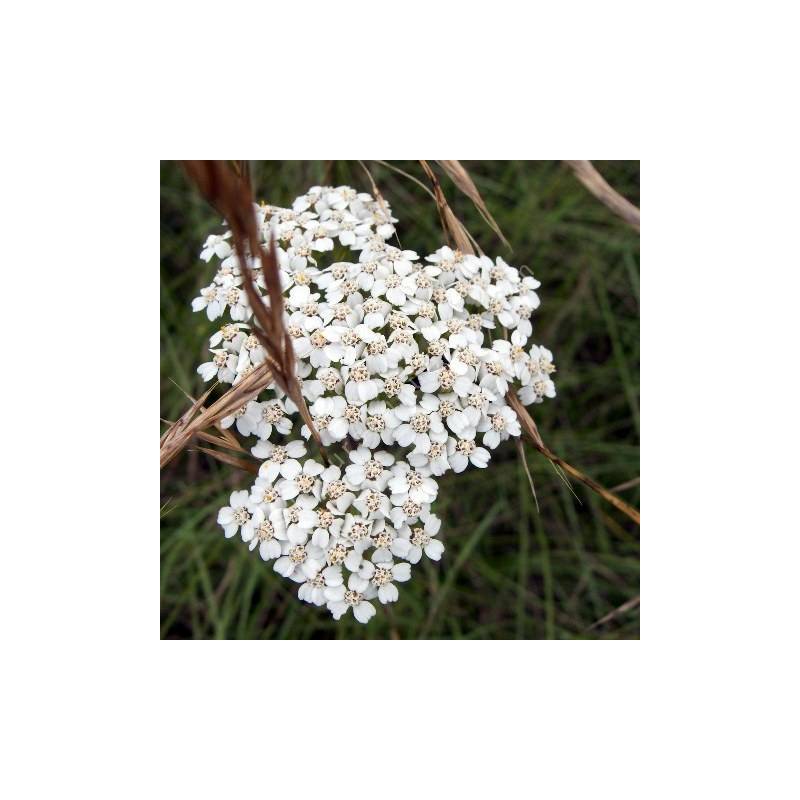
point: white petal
(364, 611)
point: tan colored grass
(230, 194)
(453, 227)
(588, 175)
(461, 178)
(198, 419)
(532, 432)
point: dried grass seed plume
(230, 195)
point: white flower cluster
(404, 362)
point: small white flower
(421, 539)
(222, 367)
(447, 301)
(505, 278)
(387, 542)
(372, 503)
(236, 299)
(269, 536)
(341, 283)
(338, 492)
(328, 525)
(375, 312)
(321, 235)
(355, 597)
(304, 302)
(407, 513)
(299, 561)
(463, 452)
(382, 574)
(330, 419)
(465, 359)
(301, 481)
(543, 358)
(497, 370)
(401, 260)
(537, 390)
(381, 358)
(443, 378)
(356, 530)
(251, 351)
(243, 423)
(536, 381)
(499, 423)
(241, 513)
(216, 246)
(368, 469)
(420, 422)
(359, 386)
(408, 483)
(395, 387)
(432, 455)
(232, 333)
(321, 346)
(267, 417)
(378, 424)
(264, 492)
(300, 518)
(396, 288)
(278, 459)
(316, 590)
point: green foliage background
(509, 571)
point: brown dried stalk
(453, 227)
(586, 173)
(375, 190)
(176, 427)
(461, 178)
(224, 433)
(198, 419)
(623, 609)
(231, 196)
(529, 427)
(225, 458)
(211, 438)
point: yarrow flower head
(405, 363)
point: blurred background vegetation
(509, 571)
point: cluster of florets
(404, 364)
